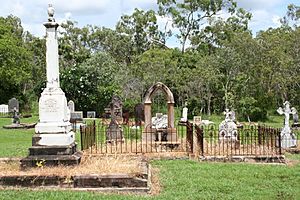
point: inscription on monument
(50, 105)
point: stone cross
(227, 114)
(288, 139)
(286, 111)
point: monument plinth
(54, 140)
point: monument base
(288, 140)
(53, 139)
(51, 156)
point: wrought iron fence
(250, 140)
(102, 138)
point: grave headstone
(139, 114)
(12, 105)
(116, 106)
(184, 114)
(114, 132)
(77, 116)
(228, 129)
(91, 114)
(288, 139)
(71, 106)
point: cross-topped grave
(288, 139)
(228, 129)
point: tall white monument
(54, 127)
(288, 139)
(53, 133)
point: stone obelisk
(54, 140)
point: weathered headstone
(71, 106)
(116, 106)
(114, 132)
(228, 129)
(77, 116)
(91, 114)
(288, 139)
(139, 114)
(13, 104)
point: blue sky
(266, 13)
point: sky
(266, 13)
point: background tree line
(217, 64)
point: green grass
(13, 142)
(185, 179)
(180, 179)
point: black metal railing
(104, 138)
(250, 140)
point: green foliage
(15, 68)
(91, 84)
(224, 67)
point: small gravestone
(184, 114)
(71, 106)
(91, 114)
(288, 139)
(228, 129)
(77, 116)
(13, 104)
(139, 114)
(114, 132)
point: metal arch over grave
(151, 133)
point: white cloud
(276, 20)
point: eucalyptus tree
(189, 16)
(142, 28)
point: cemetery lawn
(15, 142)
(186, 179)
